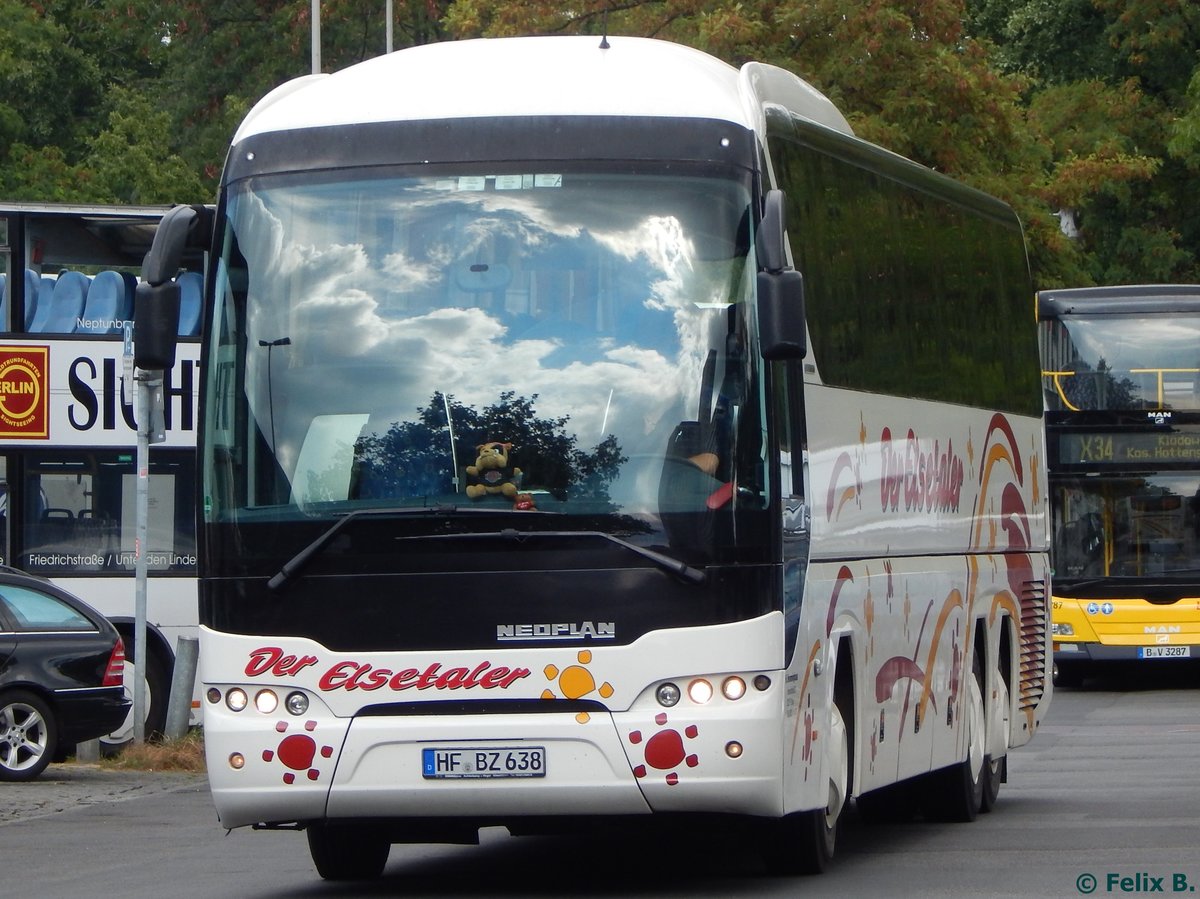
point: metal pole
(316, 37)
(388, 13)
(183, 684)
(143, 509)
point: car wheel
(28, 735)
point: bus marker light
(1062, 630)
(237, 761)
(213, 695)
(733, 687)
(762, 682)
(700, 691)
(668, 694)
(266, 701)
(297, 703)
(236, 699)
(733, 749)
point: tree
(225, 55)
(1108, 100)
(50, 88)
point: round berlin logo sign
(22, 391)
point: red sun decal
(665, 749)
(297, 752)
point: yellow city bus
(1121, 370)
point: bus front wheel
(804, 842)
(347, 851)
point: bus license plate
(1164, 652)
(492, 761)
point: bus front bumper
(492, 769)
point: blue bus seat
(60, 314)
(33, 293)
(107, 305)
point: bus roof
(527, 76)
(1118, 299)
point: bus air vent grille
(1033, 643)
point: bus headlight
(236, 699)
(700, 691)
(733, 687)
(1061, 630)
(668, 694)
(296, 703)
(266, 701)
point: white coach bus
(595, 432)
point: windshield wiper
(674, 566)
(293, 565)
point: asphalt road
(1105, 801)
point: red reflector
(114, 674)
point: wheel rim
(998, 745)
(976, 735)
(23, 736)
(838, 766)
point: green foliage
(128, 161)
(1088, 108)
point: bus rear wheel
(348, 851)
(957, 793)
(995, 764)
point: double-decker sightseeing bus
(67, 427)
(547, 482)
(1121, 369)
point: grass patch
(184, 754)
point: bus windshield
(1131, 361)
(550, 340)
(1135, 526)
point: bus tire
(347, 851)
(805, 842)
(993, 775)
(956, 793)
(1068, 674)
(896, 803)
(995, 763)
(158, 689)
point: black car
(61, 666)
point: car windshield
(542, 339)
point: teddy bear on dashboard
(491, 474)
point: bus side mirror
(780, 288)
(156, 300)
